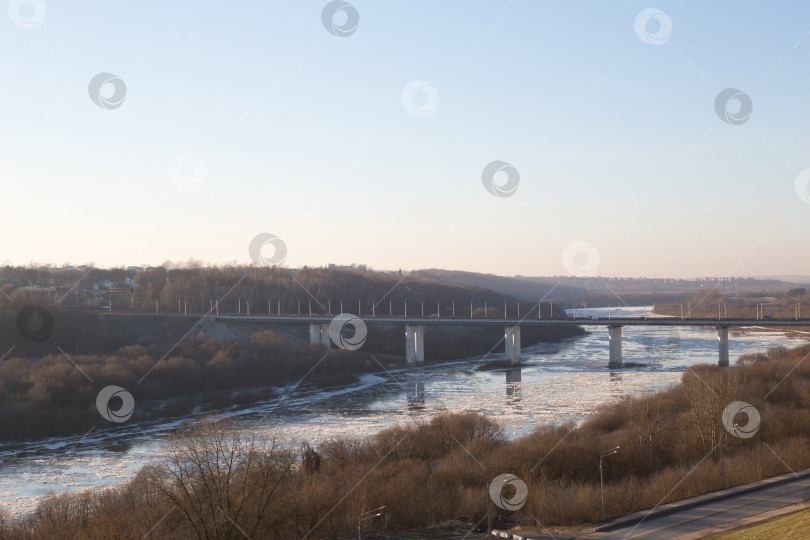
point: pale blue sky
(304, 135)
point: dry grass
(796, 525)
(436, 471)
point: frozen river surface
(556, 383)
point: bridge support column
(319, 333)
(414, 344)
(722, 342)
(615, 337)
(511, 338)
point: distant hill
(603, 290)
(787, 278)
(522, 288)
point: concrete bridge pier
(511, 338)
(722, 341)
(319, 333)
(615, 337)
(414, 344)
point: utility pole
(489, 515)
(722, 464)
(603, 455)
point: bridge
(414, 329)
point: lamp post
(371, 514)
(602, 456)
(722, 465)
(722, 462)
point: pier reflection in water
(557, 382)
(513, 386)
(415, 392)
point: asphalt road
(720, 515)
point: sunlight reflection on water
(558, 382)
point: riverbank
(56, 395)
(433, 471)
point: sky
(363, 132)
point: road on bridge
(527, 321)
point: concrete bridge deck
(512, 321)
(319, 325)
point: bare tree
(708, 392)
(224, 482)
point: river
(557, 382)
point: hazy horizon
(206, 264)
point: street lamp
(603, 455)
(722, 462)
(371, 514)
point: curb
(691, 502)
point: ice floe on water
(558, 382)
